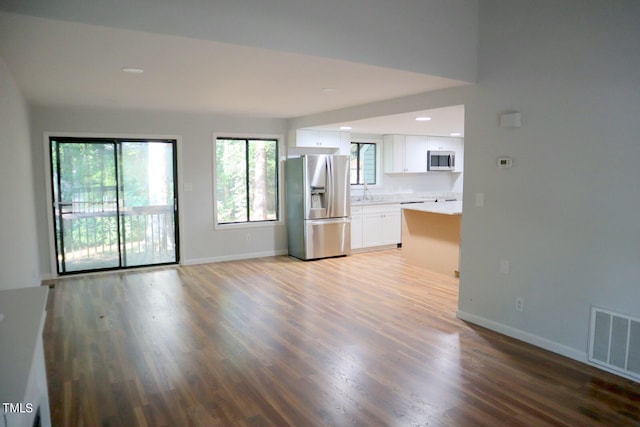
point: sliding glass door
(115, 204)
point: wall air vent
(614, 342)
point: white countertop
(385, 199)
(20, 330)
(446, 208)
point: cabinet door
(415, 154)
(317, 138)
(306, 138)
(440, 143)
(459, 149)
(381, 225)
(371, 229)
(329, 138)
(394, 153)
(391, 227)
(345, 143)
(356, 228)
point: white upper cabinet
(405, 154)
(416, 154)
(444, 143)
(311, 138)
(394, 153)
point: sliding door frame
(101, 136)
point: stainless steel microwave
(441, 160)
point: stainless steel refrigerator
(318, 206)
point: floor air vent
(614, 342)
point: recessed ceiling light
(328, 89)
(423, 119)
(131, 70)
(345, 128)
(455, 134)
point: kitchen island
(431, 235)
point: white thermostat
(505, 162)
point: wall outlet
(520, 304)
(248, 237)
(479, 200)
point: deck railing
(90, 229)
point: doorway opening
(115, 203)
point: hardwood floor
(365, 340)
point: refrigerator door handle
(330, 195)
(328, 221)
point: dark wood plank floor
(365, 340)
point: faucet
(364, 191)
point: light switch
(479, 200)
(188, 187)
(504, 266)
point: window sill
(240, 225)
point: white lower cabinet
(392, 227)
(375, 225)
(356, 227)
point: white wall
(566, 215)
(435, 37)
(201, 243)
(19, 263)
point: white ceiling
(59, 63)
(446, 121)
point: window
(114, 203)
(363, 163)
(246, 180)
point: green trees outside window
(115, 204)
(363, 163)
(246, 180)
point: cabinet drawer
(381, 209)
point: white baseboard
(527, 337)
(233, 257)
(544, 343)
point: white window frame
(281, 158)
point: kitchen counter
(445, 208)
(404, 198)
